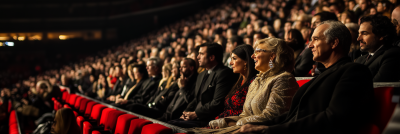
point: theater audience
(395, 21)
(213, 85)
(302, 55)
(230, 45)
(337, 101)
(140, 75)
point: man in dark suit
(150, 85)
(212, 87)
(185, 94)
(337, 101)
(376, 36)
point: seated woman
(140, 74)
(65, 122)
(243, 64)
(271, 92)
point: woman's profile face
(238, 64)
(175, 70)
(262, 55)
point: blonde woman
(271, 92)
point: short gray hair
(338, 30)
(156, 62)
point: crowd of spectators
(162, 74)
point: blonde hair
(168, 69)
(284, 60)
(65, 122)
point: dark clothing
(337, 101)
(127, 85)
(188, 124)
(234, 104)
(384, 65)
(118, 87)
(304, 63)
(356, 54)
(209, 100)
(180, 100)
(147, 90)
(168, 94)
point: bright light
(9, 43)
(21, 38)
(4, 38)
(63, 37)
(1, 44)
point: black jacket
(384, 65)
(336, 101)
(180, 100)
(162, 103)
(304, 63)
(209, 101)
(147, 90)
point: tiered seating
(95, 118)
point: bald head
(396, 19)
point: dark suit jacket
(304, 63)
(180, 100)
(147, 90)
(337, 101)
(209, 101)
(384, 65)
(169, 93)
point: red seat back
(96, 112)
(302, 82)
(137, 125)
(105, 115)
(65, 96)
(72, 98)
(156, 129)
(9, 106)
(384, 106)
(78, 102)
(123, 123)
(79, 120)
(75, 113)
(87, 127)
(13, 118)
(89, 108)
(82, 106)
(112, 120)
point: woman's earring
(270, 64)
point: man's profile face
(315, 21)
(363, 4)
(203, 57)
(368, 40)
(151, 68)
(319, 46)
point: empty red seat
(112, 120)
(137, 125)
(89, 108)
(13, 118)
(96, 132)
(104, 116)
(67, 106)
(65, 96)
(123, 123)
(302, 82)
(87, 127)
(72, 98)
(96, 112)
(9, 106)
(75, 113)
(13, 129)
(80, 120)
(384, 107)
(82, 106)
(156, 129)
(78, 102)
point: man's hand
(111, 98)
(190, 115)
(182, 81)
(251, 128)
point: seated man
(337, 101)
(212, 87)
(376, 36)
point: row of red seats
(93, 117)
(383, 108)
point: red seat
(156, 129)
(384, 106)
(87, 127)
(78, 102)
(123, 123)
(72, 98)
(13, 118)
(75, 113)
(137, 125)
(82, 106)
(79, 120)
(112, 120)
(67, 106)
(96, 112)
(302, 82)
(13, 129)
(96, 132)
(9, 106)
(104, 116)
(65, 96)
(89, 108)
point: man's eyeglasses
(260, 50)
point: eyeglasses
(260, 50)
